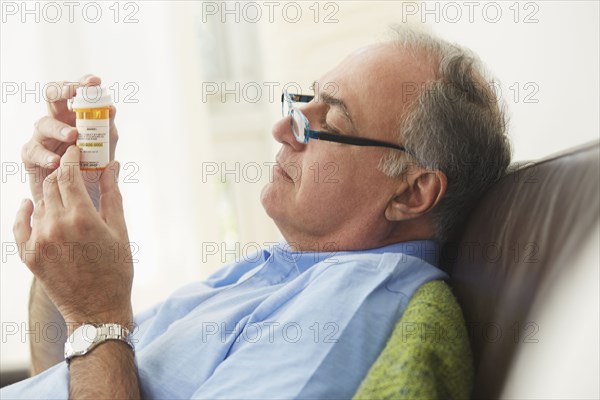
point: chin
(268, 200)
(272, 208)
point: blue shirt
(279, 324)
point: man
(415, 135)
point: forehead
(376, 83)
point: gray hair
(455, 124)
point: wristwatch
(88, 336)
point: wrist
(88, 337)
(124, 318)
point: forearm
(107, 372)
(45, 351)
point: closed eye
(329, 129)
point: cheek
(349, 183)
(338, 178)
(335, 184)
(327, 163)
(328, 173)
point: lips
(280, 169)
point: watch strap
(113, 332)
(104, 332)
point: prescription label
(93, 143)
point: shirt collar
(426, 250)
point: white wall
(153, 67)
(171, 135)
(556, 57)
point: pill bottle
(92, 107)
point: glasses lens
(298, 125)
(285, 105)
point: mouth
(280, 170)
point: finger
(39, 210)
(22, 224)
(34, 154)
(52, 198)
(113, 133)
(112, 113)
(50, 128)
(111, 201)
(57, 93)
(70, 182)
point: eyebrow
(335, 102)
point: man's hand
(54, 133)
(80, 256)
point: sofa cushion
(428, 354)
(521, 234)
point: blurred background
(197, 86)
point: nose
(282, 132)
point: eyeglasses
(301, 127)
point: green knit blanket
(428, 355)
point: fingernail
(51, 160)
(23, 202)
(65, 131)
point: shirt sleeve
(50, 384)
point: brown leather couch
(523, 240)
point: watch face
(83, 337)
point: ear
(419, 192)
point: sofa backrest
(522, 233)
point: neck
(404, 231)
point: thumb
(111, 202)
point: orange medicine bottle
(92, 107)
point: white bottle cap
(91, 97)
